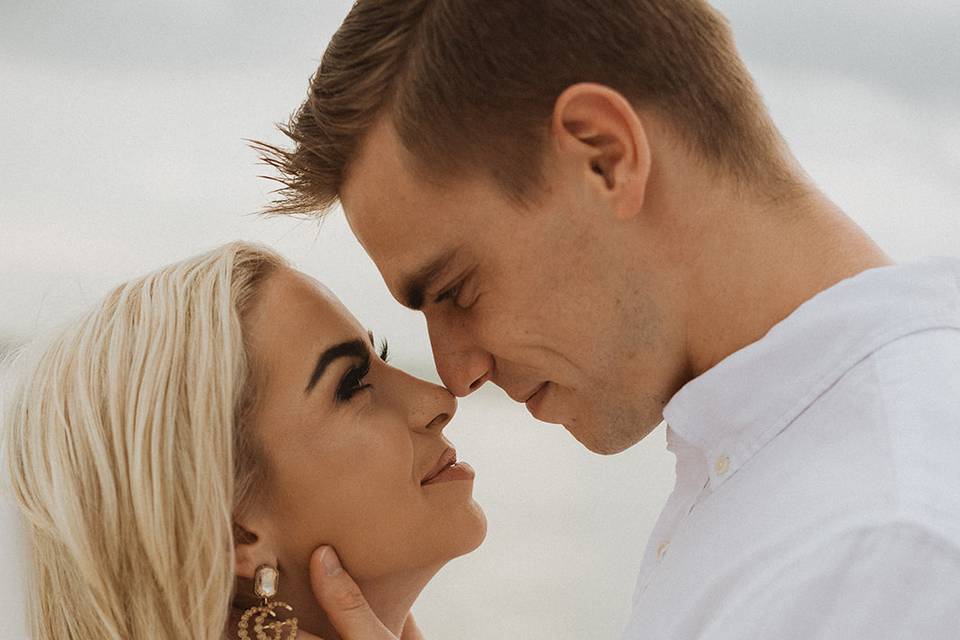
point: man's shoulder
(887, 436)
(920, 369)
(882, 443)
(918, 384)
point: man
(591, 206)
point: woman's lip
(447, 458)
(533, 402)
(451, 473)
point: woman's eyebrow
(350, 349)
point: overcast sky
(123, 126)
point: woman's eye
(352, 382)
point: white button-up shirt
(818, 475)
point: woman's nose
(439, 422)
(435, 409)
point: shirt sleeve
(889, 582)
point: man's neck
(756, 262)
(734, 258)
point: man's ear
(598, 130)
(252, 550)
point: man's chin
(606, 440)
(602, 432)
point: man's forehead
(380, 172)
(411, 226)
(380, 195)
(400, 220)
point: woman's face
(352, 446)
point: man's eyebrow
(414, 287)
(351, 349)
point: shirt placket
(692, 481)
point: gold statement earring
(265, 586)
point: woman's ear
(597, 130)
(252, 550)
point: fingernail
(331, 563)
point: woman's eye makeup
(352, 381)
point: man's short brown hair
(471, 84)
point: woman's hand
(344, 603)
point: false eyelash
(352, 381)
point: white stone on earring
(265, 582)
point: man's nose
(462, 365)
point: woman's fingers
(342, 600)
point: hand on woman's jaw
(337, 608)
(363, 614)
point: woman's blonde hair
(128, 458)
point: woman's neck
(391, 600)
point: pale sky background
(123, 124)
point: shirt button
(662, 550)
(722, 464)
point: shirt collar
(732, 410)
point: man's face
(537, 300)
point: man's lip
(536, 399)
(535, 392)
(525, 397)
(447, 458)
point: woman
(209, 425)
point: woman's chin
(464, 533)
(476, 531)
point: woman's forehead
(294, 313)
